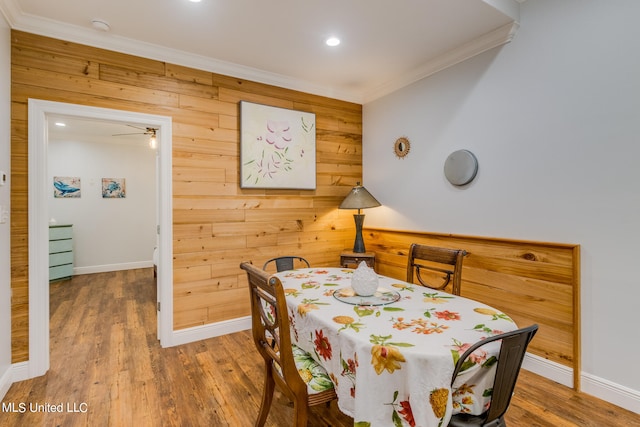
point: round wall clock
(461, 167)
(401, 147)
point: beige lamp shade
(359, 198)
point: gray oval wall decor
(461, 167)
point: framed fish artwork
(66, 187)
(113, 188)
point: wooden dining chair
(285, 262)
(433, 265)
(285, 364)
(512, 350)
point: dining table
(391, 355)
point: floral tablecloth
(392, 362)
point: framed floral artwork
(277, 147)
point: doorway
(40, 113)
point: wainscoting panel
(533, 282)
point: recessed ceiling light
(195, 1)
(333, 41)
(60, 124)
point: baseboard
(608, 391)
(197, 333)
(112, 267)
(20, 371)
(611, 392)
(5, 381)
(548, 369)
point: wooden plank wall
(216, 224)
(533, 282)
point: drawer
(353, 259)
(60, 246)
(60, 271)
(58, 233)
(60, 258)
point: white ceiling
(386, 44)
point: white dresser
(60, 251)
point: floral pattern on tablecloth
(392, 364)
(312, 373)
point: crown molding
(9, 10)
(495, 38)
(510, 8)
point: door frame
(39, 188)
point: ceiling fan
(145, 131)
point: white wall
(554, 120)
(109, 234)
(5, 239)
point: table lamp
(359, 198)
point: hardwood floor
(107, 369)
